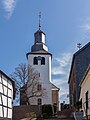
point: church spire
(39, 20)
(40, 39)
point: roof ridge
(85, 46)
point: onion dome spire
(40, 39)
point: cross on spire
(39, 20)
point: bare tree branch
(27, 79)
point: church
(40, 59)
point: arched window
(43, 61)
(35, 61)
(39, 101)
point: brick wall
(54, 96)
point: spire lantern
(40, 39)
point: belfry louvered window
(43, 61)
(35, 61)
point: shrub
(47, 111)
(78, 105)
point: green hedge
(47, 111)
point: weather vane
(79, 45)
(39, 20)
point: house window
(39, 101)
(35, 61)
(86, 101)
(81, 103)
(43, 61)
(39, 87)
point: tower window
(39, 101)
(39, 74)
(39, 87)
(43, 61)
(35, 61)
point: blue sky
(65, 22)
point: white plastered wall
(45, 77)
(85, 86)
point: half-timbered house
(6, 96)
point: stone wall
(23, 111)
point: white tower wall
(45, 76)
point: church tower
(40, 59)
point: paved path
(60, 119)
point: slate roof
(41, 52)
(74, 55)
(55, 87)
